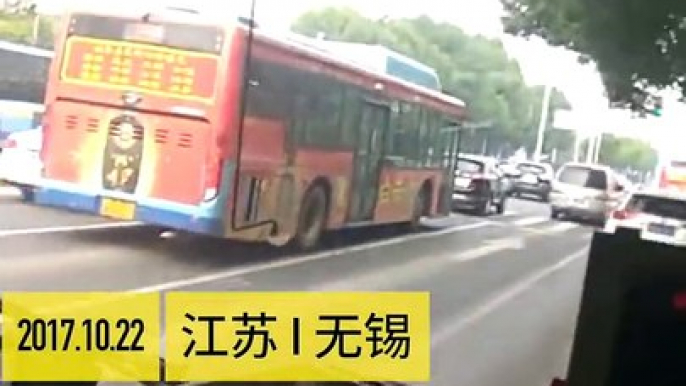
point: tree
(473, 68)
(19, 28)
(635, 43)
(627, 153)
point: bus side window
(405, 132)
(318, 113)
(435, 139)
(428, 141)
(350, 111)
(269, 94)
(23, 77)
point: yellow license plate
(120, 210)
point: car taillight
(8, 144)
(623, 214)
(679, 301)
(558, 382)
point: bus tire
(312, 218)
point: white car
(585, 191)
(657, 215)
(20, 164)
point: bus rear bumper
(195, 219)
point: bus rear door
(369, 156)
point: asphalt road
(505, 289)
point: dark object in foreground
(631, 328)
(226, 384)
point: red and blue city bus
(671, 174)
(222, 129)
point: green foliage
(623, 153)
(632, 41)
(18, 28)
(473, 68)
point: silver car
(585, 191)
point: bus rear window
(469, 166)
(531, 168)
(658, 206)
(172, 60)
(584, 177)
(173, 35)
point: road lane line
(65, 229)
(416, 268)
(486, 308)
(562, 227)
(285, 262)
(527, 221)
(298, 260)
(491, 247)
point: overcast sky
(540, 63)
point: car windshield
(531, 168)
(584, 177)
(658, 206)
(470, 166)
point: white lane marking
(416, 268)
(483, 310)
(562, 227)
(293, 261)
(66, 229)
(527, 221)
(490, 247)
(231, 274)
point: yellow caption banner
(261, 336)
(79, 336)
(302, 336)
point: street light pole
(590, 149)
(598, 146)
(547, 94)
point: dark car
(533, 179)
(479, 185)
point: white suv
(585, 191)
(657, 215)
